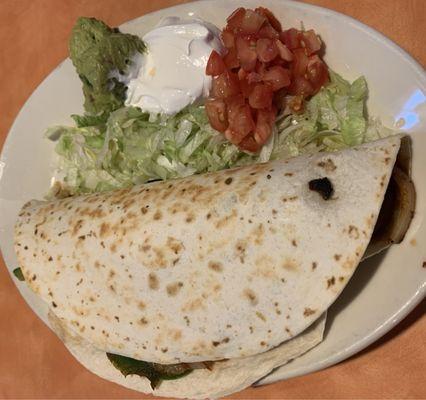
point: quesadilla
(180, 275)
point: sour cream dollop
(171, 75)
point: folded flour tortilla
(219, 266)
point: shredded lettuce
(333, 119)
(134, 147)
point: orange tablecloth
(34, 363)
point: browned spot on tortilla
(424, 264)
(215, 266)
(78, 225)
(153, 281)
(387, 160)
(348, 263)
(226, 219)
(176, 334)
(251, 296)
(144, 210)
(294, 243)
(174, 244)
(413, 242)
(290, 264)
(308, 311)
(260, 316)
(274, 212)
(190, 218)
(341, 278)
(111, 274)
(328, 165)
(173, 288)
(141, 305)
(314, 265)
(291, 198)
(288, 174)
(228, 181)
(370, 221)
(241, 250)
(382, 181)
(193, 305)
(157, 216)
(143, 321)
(208, 216)
(258, 234)
(353, 232)
(104, 230)
(331, 281)
(337, 257)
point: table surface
(33, 361)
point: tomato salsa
(264, 69)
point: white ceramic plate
(385, 288)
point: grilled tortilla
(234, 267)
(223, 265)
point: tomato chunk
(300, 62)
(311, 42)
(270, 16)
(230, 59)
(267, 31)
(215, 65)
(228, 38)
(261, 96)
(225, 85)
(217, 114)
(266, 50)
(251, 22)
(264, 125)
(246, 54)
(317, 73)
(249, 144)
(277, 76)
(301, 86)
(291, 38)
(283, 51)
(236, 18)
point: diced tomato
(235, 19)
(295, 103)
(249, 144)
(277, 76)
(230, 59)
(246, 87)
(317, 73)
(291, 38)
(270, 16)
(225, 85)
(263, 70)
(267, 31)
(216, 112)
(254, 77)
(215, 65)
(245, 53)
(300, 62)
(228, 39)
(301, 86)
(240, 123)
(261, 96)
(251, 22)
(266, 50)
(310, 41)
(264, 125)
(283, 51)
(242, 74)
